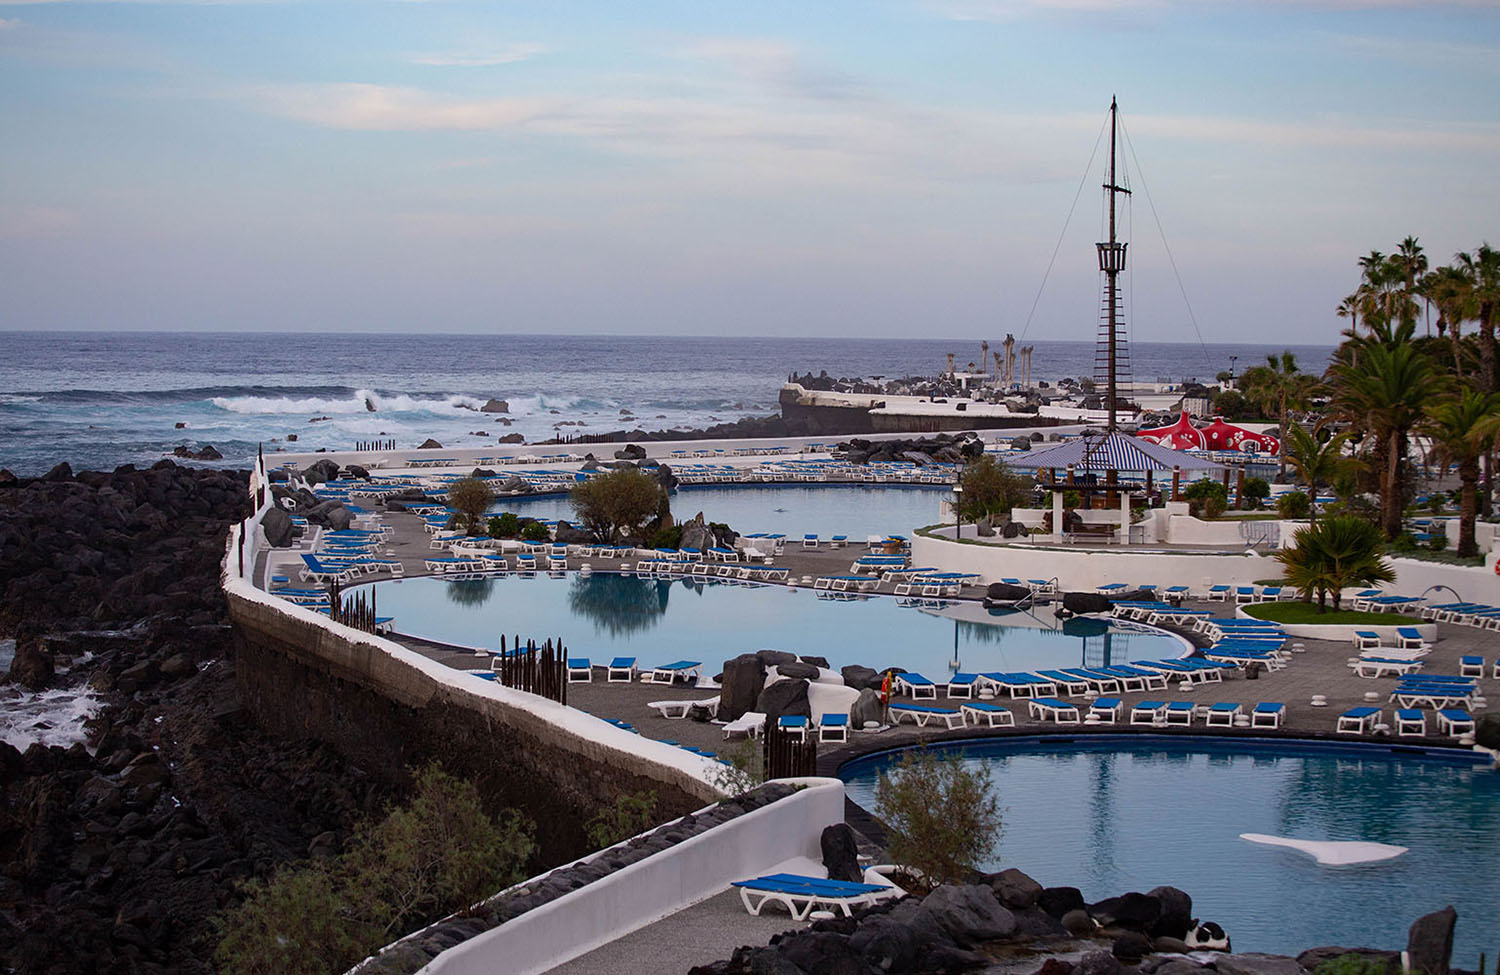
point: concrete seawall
(387, 709)
(299, 680)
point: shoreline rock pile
(117, 853)
(1007, 921)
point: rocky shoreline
(1007, 921)
(118, 853)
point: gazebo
(1089, 456)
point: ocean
(101, 399)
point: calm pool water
(1118, 816)
(793, 510)
(658, 621)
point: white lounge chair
(680, 709)
(751, 724)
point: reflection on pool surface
(793, 510)
(1116, 816)
(607, 614)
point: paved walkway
(1321, 669)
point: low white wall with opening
(648, 890)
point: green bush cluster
(437, 854)
(535, 531)
(506, 525)
(943, 815)
(1294, 505)
(1206, 498)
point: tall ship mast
(1111, 353)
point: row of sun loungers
(1410, 722)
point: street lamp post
(958, 511)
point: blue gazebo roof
(1112, 452)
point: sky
(884, 168)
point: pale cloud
(510, 54)
(1414, 50)
(392, 108)
(10, 24)
(1329, 133)
(1005, 10)
(37, 221)
(776, 65)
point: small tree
(991, 488)
(470, 497)
(1255, 491)
(617, 504)
(1206, 498)
(1294, 505)
(943, 814)
(535, 531)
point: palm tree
(1447, 288)
(1281, 386)
(1409, 263)
(1385, 390)
(1316, 463)
(1463, 428)
(1332, 555)
(1481, 275)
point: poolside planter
(1344, 633)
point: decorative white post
(1057, 515)
(1124, 517)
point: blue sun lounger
(1180, 712)
(1146, 712)
(993, 714)
(580, 670)
(1455, 722)
(795, 724)
(621, 670)
(669, 673)
(1410, 638)
(962, 685)
(1411, 722)
(833, 727)
(1106, 710)
(1051, 709)
(1357, 721)
(916, 685)
(799, 894)
(1268, 714)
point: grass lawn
(1300, 612)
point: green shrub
(1352, 964)
(438, 853)
(1404, 542)
(992, 488)
(629, 816)
(1255, 491)
(535, 531)
(1206, 498)
(743, 768)
(1438, 542)
(943, 815)
(506, 525)
(1294, 504)
(670, 537)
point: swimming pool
(608, 614)
(794, 510)
(1114, 815)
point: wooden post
(1176, 481)
(1239, 488)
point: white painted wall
(648, 890)
(1082, 569)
